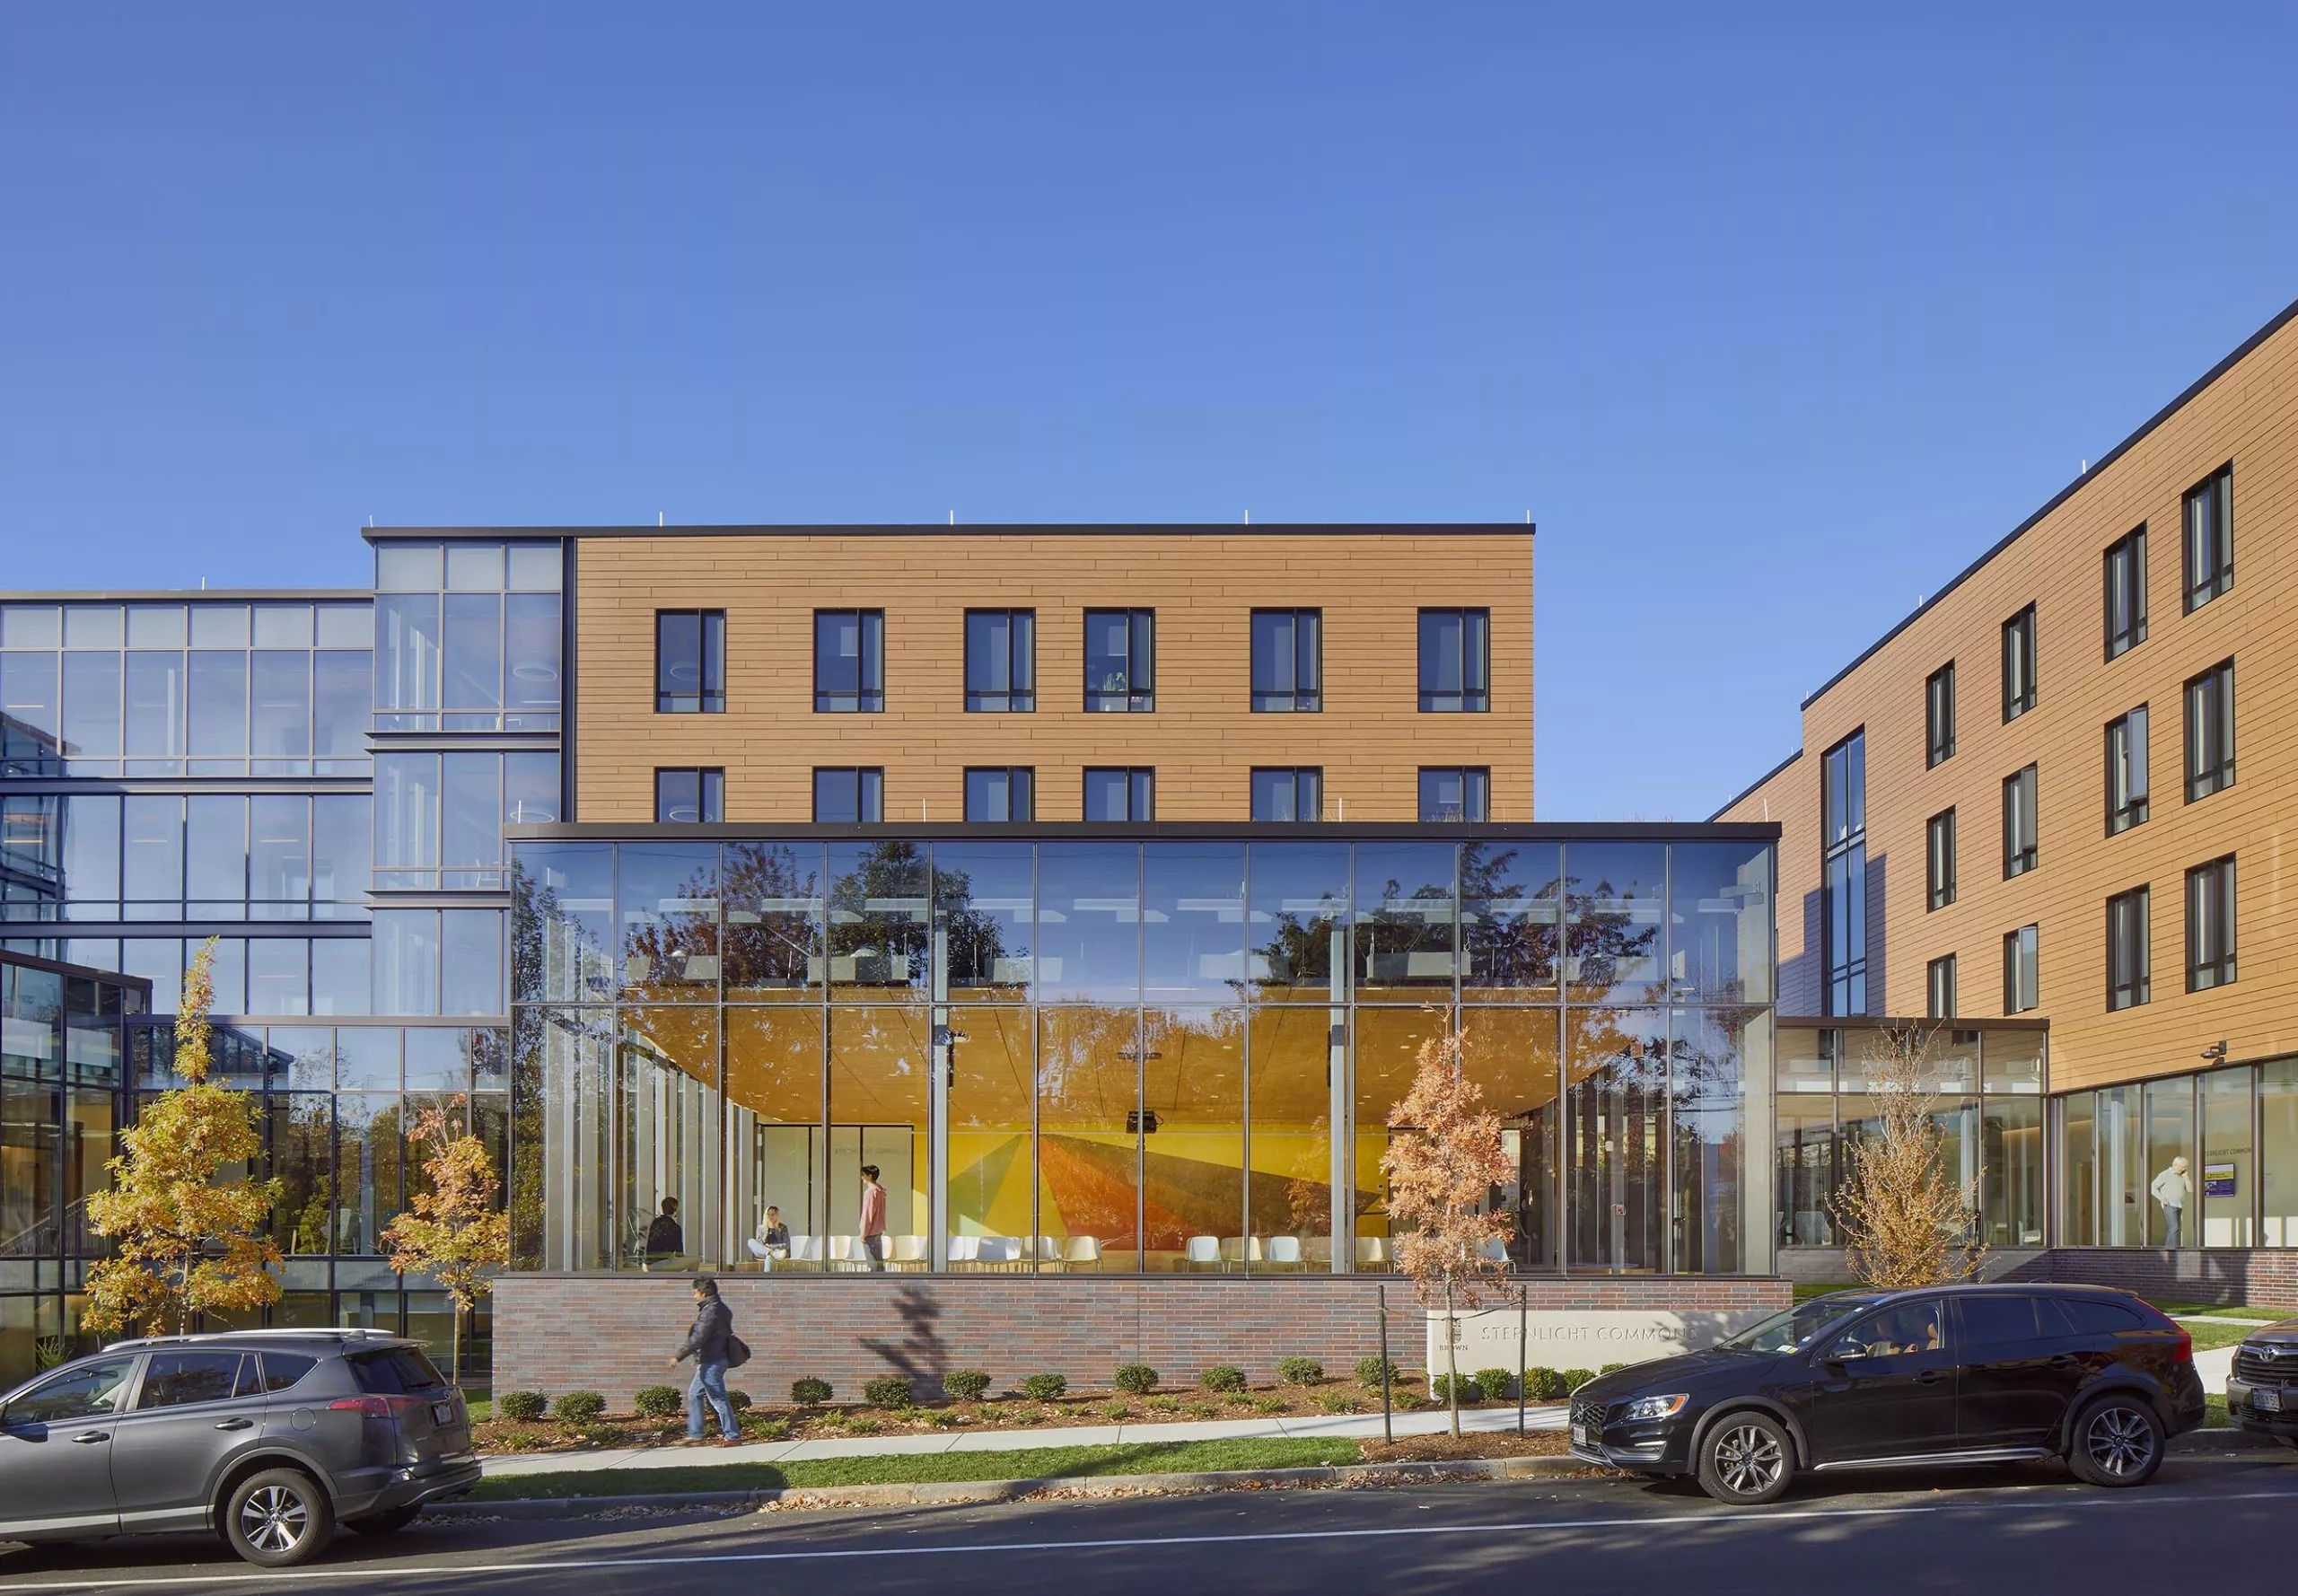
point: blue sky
(1772, 318)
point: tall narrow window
(683, 797)
(1455, 792)
(2019, 982)
(1288, 660)
(1121, 660)
(2128, 961)
(1000, 793)
(2019, 823)
(1456, 660)
(1001, 660)
(690, 661)
(2210, 924)
(1843, 852)
(1939, 716)
(1289, 794)
(2210, 537)
(2210, 731)
(1939, 854)
(845, 795)
(1939, 984)
(2126, 577)
(1120, 794)
(2126, 772)
(2019, 664)
(849, 662)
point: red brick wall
(612, 1334)
(2263, 1278)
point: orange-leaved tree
(453, 1232)
(1444, 1155)
(1905, 1223)
(189, 1230)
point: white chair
(846, 1252)
(1372, 1252)
(1083, 1250)
(1204, 1251)
(1001, 1252)
(806, 1249)
(1284, 1252)
(1237, 1251)
(908, 1252)
(1496, 1249)
(1048, 1252)
(1320, 1252)
(965, 1252)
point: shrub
(1205, 1410)
(515, 1438)
(659, 1401)
(1307, 1371)
(1045, 1387)
(1269, 1404)
(1335, 1402)
(1543, 1385)
(1135, 1380)
(1609, 1369)
(765, 1429)
(1440, 1386)
(1573, 1378)
(524, 1406)
(887, 1391)
(861, 1423)
(808, 1391)
(965, 1385)
(739, 1399)
(1163, 1404)
(941, 1418)
(1117, 1412)
(579, 1407)
(1368, 1372)
(1223, 1377)
(1492, 1384)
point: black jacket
(713, 1328)
(664, 1238)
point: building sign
(1582, 1340)
(2219, 1179)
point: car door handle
(90, 1437)
(235, 1424)
(2064, 1360)
(1930, 1377)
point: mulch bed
(1447, 1449)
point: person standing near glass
(2171, 1188)
(874, 1218)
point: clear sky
(1771, 317)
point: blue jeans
(709, 1383)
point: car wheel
(1747, 1458)
(383, 1524)
(2118, 1441)
(279, 1518)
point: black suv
(1947, 1375)
(2262, 1393)
(268, 1437)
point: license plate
(1579, 1434)
(2266, 1400)
(443, 1414)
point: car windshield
(1798, 1326)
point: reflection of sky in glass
(1193, 920)
(1089, 921)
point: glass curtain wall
(2236, 1129)
(1126, 1057)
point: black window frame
(2019, 659)
(868, 695)
(1938, 860)
(1021, 793)
(2207, 541)
(1939, 986)
(2022, 944)
(2129, 951)
(1139, 784)
(1137, 693)
(1473, 662)
(2210, 948)
(2022, 820)
(709, 794)
(1305, 670)
(1020, 694)
(709, 643)
(2129, 777)
(1476, 792)
(2208, 698)
(1843, 876)
(869, 791)
(1300, 781)
(2124, 598)
(1939, 716)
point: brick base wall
(613, 1334)
(2261, 1277)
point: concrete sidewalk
(1296, 1426)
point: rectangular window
(2127, 960)
(2126, 772)
(2210, 731)
(1456, 660)
(690, 661)
(1288, 794)
(2019, 972)
(849, 662)
(845, 795)
(1939, 853)
(1939, 982)
(2210, 924)
(1843, 855)
(2210, 537)
(2019, 823)
(2126, 598)
(2019, 664)
(1288, 660)
(1121, 660)
(1450, 792)
(687, 797)
(1000, 661)
(1000, 793)
(1120, 794)
(1939, 716)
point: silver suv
(271, 1438)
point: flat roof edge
(1154, 832)
(1482, 528)
(1750, 787)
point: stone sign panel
(1581, 1340)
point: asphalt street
(2222, 1522)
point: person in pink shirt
(874, 1218)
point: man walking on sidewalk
(710, 1343)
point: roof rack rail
(311, 1333)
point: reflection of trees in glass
(888, 943)
(1511, 936)
(1385, 935)
(303, 1132)
(768, 943)
(1606, 945)
(1089, 1070)
(541, 928)
(1298, 951)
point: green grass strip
(2219, 1310)
(1042, 1462)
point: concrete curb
(948, 1493)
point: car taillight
(390, 1408)
(2185, 1353)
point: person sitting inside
(773, 1235)
(665, 1240)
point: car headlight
(1652, 1407)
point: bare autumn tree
(1444, 1155)
(1904, 1223)
(188, 1229)
(454, 1232)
